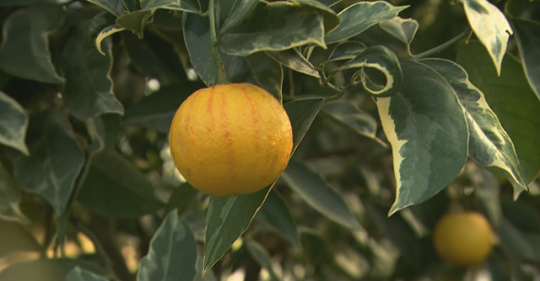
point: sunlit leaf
(228, 217)
(275, 213)
(426, 127)
(54, 163)
(490, 26)
(257, 69)
(348, 115)
(275, 26)
(261, 256)
(157, 110)
(172, 255)
(13, 123)
(115, 188)
(489, 144)
(25, 46)
(360, 16)
(528, 38)
(10, 197)
(295, 61)
(379, 59)
(511, 98)
(318, 193)
(87, 91)
(78, 274)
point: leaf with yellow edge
(426, 127)
(490, 26)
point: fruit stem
(222, 78)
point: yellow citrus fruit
(231, 139)
(463, 238)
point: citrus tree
(410, 133)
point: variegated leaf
(106, 32)
(382, 60)
(511, 98)
(13, 123)
(402, 29)
(489, 144)
(426, 127)
(490, 26)
(113, 6)
(275, 26)
(294, 60)
(347, 50)
(360, 16)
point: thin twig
(466, 33)
(222, 78)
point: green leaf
(172, 254)
(228, 217)
(523, 217)
(13, 123)
(54, 163)
(25, 47)
(257, 69)
(199, 45)
(102, 26)
(190, 6)
(398, 231)
(379, 59)
(301, 113)
(318, 193)
(402, 29)
(488, 190)
(115, 188)
(528, 38)
(331, 19)
(490, 26)
(262, 257)
(275, 26)
(360, 16)
(514, 243)
(87, 91)
(114, 6)
(347, 50)
(426, 127)
(135, 21)
(132, 5)
(182, 197)
(104, 129)
(238, 10)
(157, 110)
(208, 276)
(512, 100)
(294, 60)
(489, 144)
(78, 274)
(10, 197)
(349, 116)
(149, 56)
(47, 269)
(275, 213)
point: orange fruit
(231, 139)
(463, 238)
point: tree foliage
(401, 111)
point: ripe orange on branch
(463, 238)
(231, 139)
